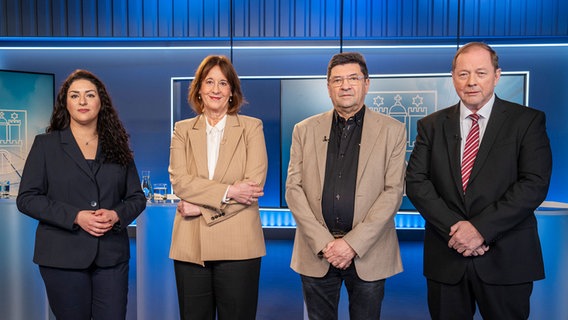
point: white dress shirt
(214, 137)
(466, 122)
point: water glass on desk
(147, 185)
(160, 192)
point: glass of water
(147, 185)
(160, 192)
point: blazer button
(212, 218)
(93, 204)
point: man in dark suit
(481, 242)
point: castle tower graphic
(405, 106)
(13, 144)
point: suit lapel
(453, 142)
(198, 140)
(321, 141)
(97, 163)
(70, 147)
(233, 133)
(370, 135)
(496, 120)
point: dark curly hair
(193, 97)
(113, 138)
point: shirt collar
(358, 117)
(484, 112)
(220, 126)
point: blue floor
(405, 293)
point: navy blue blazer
(57, 183)
(509, 180)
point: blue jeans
(322, 295)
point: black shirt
(338, 200)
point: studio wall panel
(118, 26)
(387, 20)
(133, 21)
(44, 16)
(165, 18)
(73, 16)
(28, 26)
(514, 18)
(57, 20)
(149, 18)
(180, 20)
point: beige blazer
(224, 231)
(378, 195)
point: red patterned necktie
(470, 150)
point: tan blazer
(378, 195)
(230, 231)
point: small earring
(199, 97)
(230, 99)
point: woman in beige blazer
(218, 166)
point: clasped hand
(466, 240)
(96, 222)
(339, 254)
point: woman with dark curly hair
(80, 182)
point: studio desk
(22, 293)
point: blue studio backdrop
(148, 86)
(146, 52)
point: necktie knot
(474, 117)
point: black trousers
(83, 294)
(495, 302)
(226, 289)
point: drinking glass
(160, 192)
(147, 185)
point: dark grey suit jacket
(57, 183)
(510, 179)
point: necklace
(87, 143)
